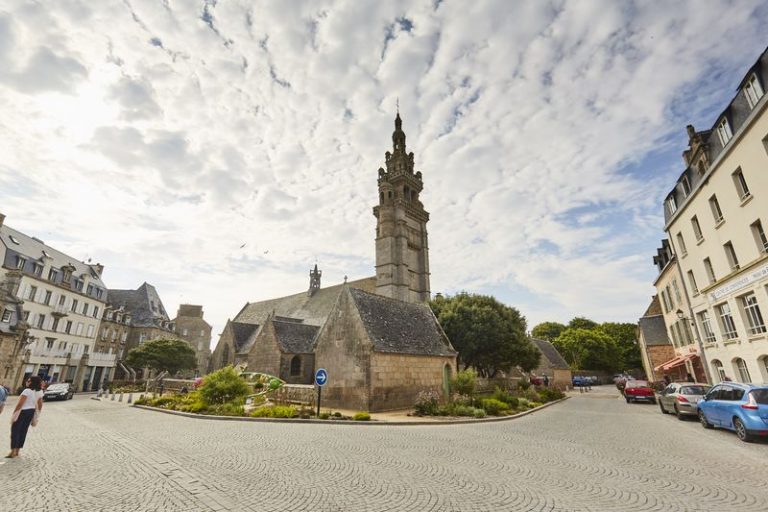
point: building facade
(13, 329)
(191, 327)
(716, 218)
(653, 340)
(686, 362)
(63, 300)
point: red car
(639, 390)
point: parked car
(639, 391)
(682, 398)
(62, 391)
(536, 380)
(742, 408)
(579, 381)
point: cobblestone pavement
(593, 452)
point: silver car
(682, 398)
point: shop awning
(674, 362)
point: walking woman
(29, 400)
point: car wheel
(663, 410)
(741, 431)
(703, 421)
(677, 413)
(627, 399)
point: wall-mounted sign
(742, 281)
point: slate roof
(33, 249)
(139, 304)
(313, 310)
(294, 337)
(241, 333)
(550, 352)
(401, 327)
(654, 330)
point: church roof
(313, 310)
(241, 333)
(549, 351)
(401, 327)
(295, 337)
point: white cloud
(163, 136)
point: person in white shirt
(30, 400)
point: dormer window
(53, 275)
(671, 205)
(79, 285)
(20, 262)
(686, 186)
(37, 269)
(7, 316)
(753, 91)
(724, 131)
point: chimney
(2, 218)
(99, 268)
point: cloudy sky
(218, 149)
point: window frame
(725, 319)
(761, 239)
(692, 282)
(742, 370)
(730, 255)
(740, 182)
(706, 326)
(697, 232)
(709, 270)
(753, 85)
(751, 309)
(724, 132)
(681, 244)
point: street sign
(321, 377)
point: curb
(351, 422)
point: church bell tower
(402, 252)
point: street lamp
(680, 314)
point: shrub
(465, 410)
(361, 416)
(523, 403)
(337, 414)
(166, 402)
(227, 409)
(504, 396)
(465, 382)
(324, 415)
(479, 413)
(493, 407)
(276, 411)
(142, 400)
(523, 384)
(426, 403)
(531, 395)
(549, 395)
(459, 399)
(223, 386)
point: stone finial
(691, 131)
(314, 280)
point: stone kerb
(303, 394)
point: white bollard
(120, 398)
(130, 398)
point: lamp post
(681, 316)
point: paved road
(590, 453)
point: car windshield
(637, 384)
(694, 390)
(58, 387)
(761, 396)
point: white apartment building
(63, 304)
(716, 220)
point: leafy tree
(581, 322)
(163, 354)
(488, 335)
(547, 330)
(589, 349)
(625, 336)
(223, 386)
(465, 381)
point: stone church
(377, 338)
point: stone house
(652, 338)
(552, 364)
(13, 330)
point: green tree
(581, 322)
(625, 336)
(589, 349)
(164, 354)
(488, 335)
(547, 330)
(223, 386)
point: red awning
(677, 361)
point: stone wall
(307, 375)
(344, 350)
(264, 356)
(396, 379)
(224, 353)
(659, 354)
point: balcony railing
(101, 357)
(50, 352)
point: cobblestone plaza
(593, 452)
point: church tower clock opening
(402, 252)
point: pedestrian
(30, 403)
(546, 381)
(3, 396)
(162, 387)
(690, 377)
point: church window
(382, 197)
(296, 366)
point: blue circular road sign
(321, 377)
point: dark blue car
(742, 408)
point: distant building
(716, 218)
(552, 364)
(136, 315)
(63, 300)
(13, 329)
(191, 327)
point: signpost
(321, 378)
